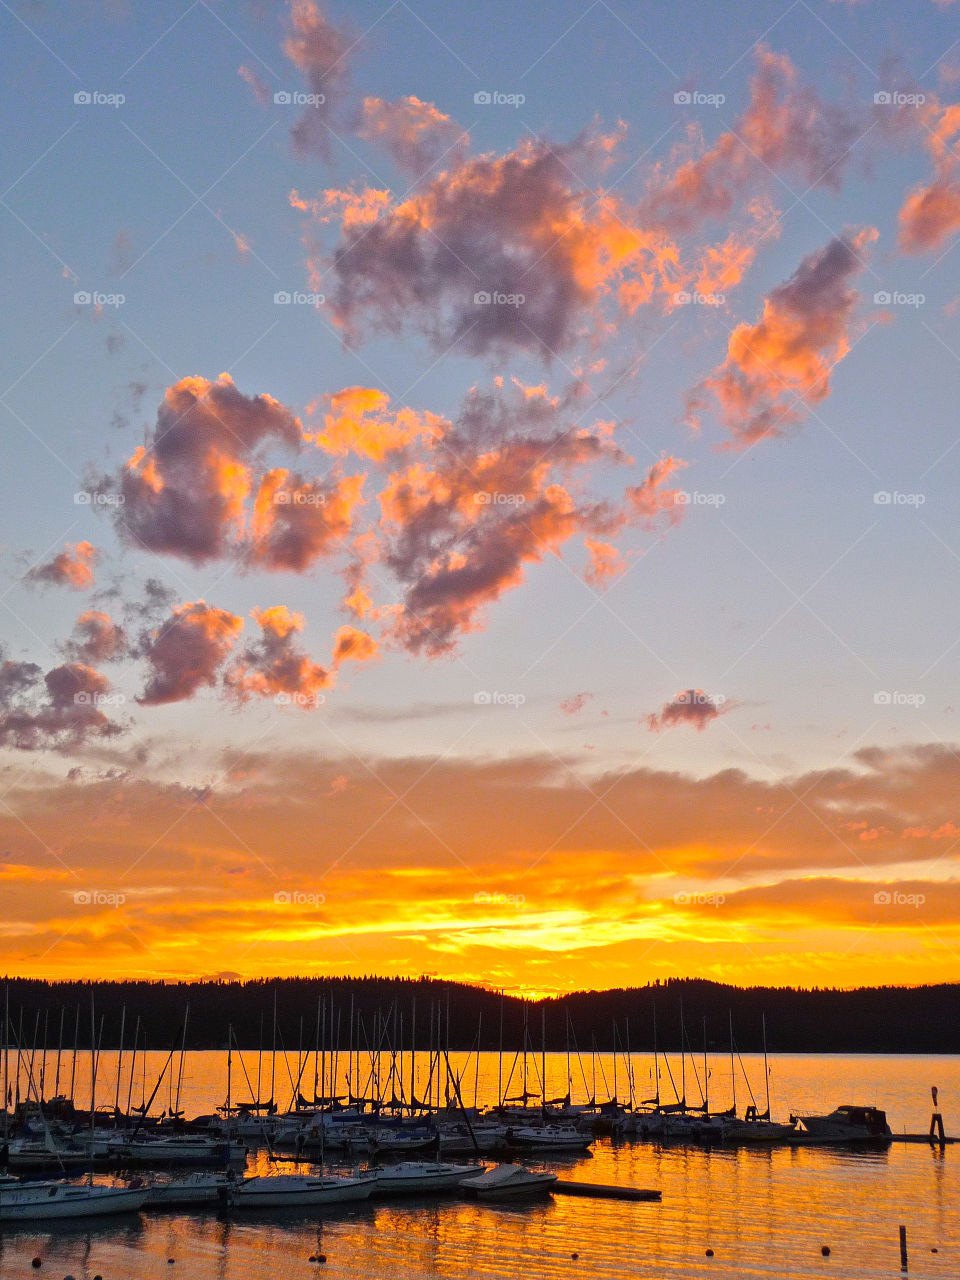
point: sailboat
(294, 1190)
(45, 1201)
(420, 1176)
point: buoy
(36, 1263)
(825, 1250)
(709, 1253)
(574, 1255)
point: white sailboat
(419, 1176)
(294, 1190)
(45, 1201)
(192, 1189)
(549, 1138)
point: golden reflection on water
(764, 1212)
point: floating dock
(598, 1191)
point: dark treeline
(866, 1020)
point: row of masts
(356, 1061)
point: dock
(924, 1138)
(598, 1191)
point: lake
(763, 1212)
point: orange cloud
(414, 133)
(352, 645)
(275, 666)
(787, 356)
(96, 638)
(183, 493)
(786, 126)
(606, 562)
(498, 253)
(186, 652)
(690, 706)
(931, 213)
(72, 567)
(60, 710)
(358, 421)
(295, 520)
(319, 50)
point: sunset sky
(480, 490)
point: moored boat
(507, 1180)
(846, 1124)
(193, 1189)
(293, 1190)
(46, 1201)
(549, 1138)
(420, 1176)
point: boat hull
(25, 1204)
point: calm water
(764, 1213)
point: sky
(480, 490)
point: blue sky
(786, 589)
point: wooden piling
(903, 1248)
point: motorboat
(45, 1201)
(506, 1180)
(293, 1190)
(419, 1176)
(845, 1124)
(549, 1138)
(192, 1189)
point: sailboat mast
(56, 1083)
(500, 1058)
(733, 1069)
(766, 1069)
(116, 1098)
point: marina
(345, 1167)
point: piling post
(903, 1248)
(936, 1122)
